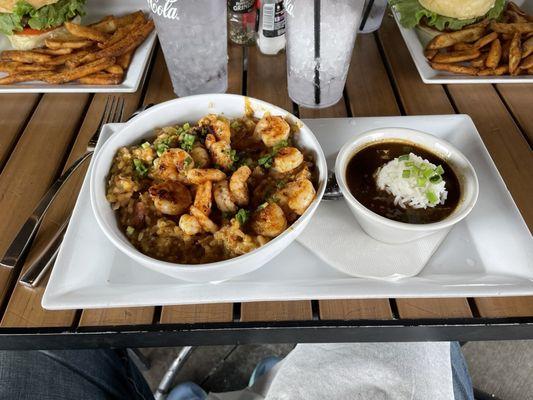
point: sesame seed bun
(460, 9)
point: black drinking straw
(317, 52)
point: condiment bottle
(242, 21)
(271, 26)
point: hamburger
(446, 15)
(28, 23)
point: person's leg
(70, 374)
(462, 384)
(187, 391)
(265, 365)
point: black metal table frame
(169, 335)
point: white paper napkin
(334, 235)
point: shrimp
(220, 152)
(272, 130)
(171, 198)
(235, 241)
(269, 220)
(200, 156)
(223, 197)
(238, 185)
(204, 221)
(287, 159)
(296, 195)
(198, 176)
(190, 225)
(171, 164)
(203, 197)
(220, 126)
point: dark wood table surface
(41, 135)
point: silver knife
(44, 261)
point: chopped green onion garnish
(187, 161)
(186, 126)
(415, 171)
(410, 164)
(421, 182)
(242, 216)
(439, 170)
(427, 173)
(278, 146)
(140, 167)
(187, 141)
(262, 206)
(233, 155)
(432, 197)
(161, 148)
(265, 161)
(130, 230)
(145, 145)
(406, 173)
(435, 179)
(405, 157)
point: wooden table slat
(518, 99)
(34, 163)
(434, 308)
(493, 307)
(197, 313)
(15, 111)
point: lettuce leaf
(411, 13)
(49, 16)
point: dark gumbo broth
(362, 184)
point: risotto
(213, 190)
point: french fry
(115, 69)
(28, 57)
(80, 72)
(11, 66)
(455, 68)
(54, 52)
(479, 62)
(118, 35)
(86, 32)
(106, 25)
(429, 54)
(461, 46)
(527, 63)
(515, 17)
(527, 47)
(530, 71)
(520, 27)
(125, 60)
(485, 40)
(67, 44)
(511, 6)
(66, 58)
(495, 54)
(456, 56)
(501, 70)
(129, 43)
(449, 39)
(101, 78)
(505, 50)
(25, 77)
(515, 54)
(134, 18)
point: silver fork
(113, 112)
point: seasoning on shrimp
(206, 192)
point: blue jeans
(109, 374)
(70, 374)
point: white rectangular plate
(96, 10)
(488, 254)
(416, 42)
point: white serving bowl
(387, 230)
(191, 109)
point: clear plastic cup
(320, 39)
(193, 37)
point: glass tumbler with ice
(320, 40)
(193, 37)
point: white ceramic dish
(416, 41)
(96, 10)
(390, 231)
(475, 259)
(190, 109)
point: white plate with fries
(121, 74)
(417, 40)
